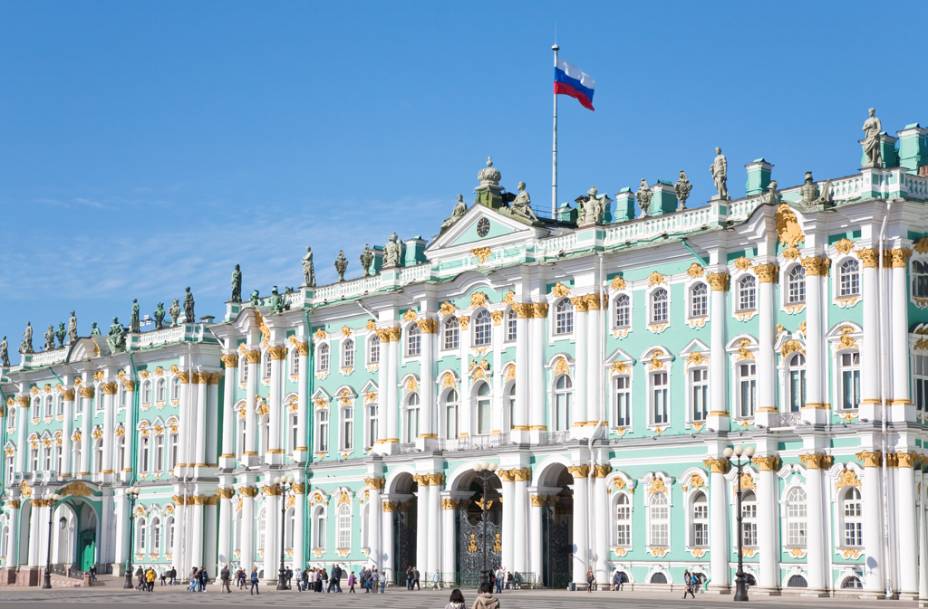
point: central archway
(478, 526)
(554, 484)
(405, 490)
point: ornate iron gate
(404, 540)
(557, 541)
(472, 534)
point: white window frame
(323, 358)
(850, 516)
(796, 362)
(653, 376)
(562, 322)
(562, 399)
(510, 326)
(413, 341)
(697, 393)
(698, 523)
(450, 334)
(481, 328)
(322, 430)
(627, 316)
(918, 273)
(622, 514)
(348, 354)
(746, 379)
(659, 310)
(412, 412)
(848, 364)
(343, 527)
(373, 349)
(372, 423)
(746, 293)
(794, 285)
(919, 382)
(483, 409)
(692, 311)
(346, 426)
(749, 526)
(796, 518)
(622, 399)
(451, 404)
(658, 512)
(848, 280)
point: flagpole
(554, 48)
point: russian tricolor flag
(570, 80)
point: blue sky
(147, 146)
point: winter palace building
(559, 392)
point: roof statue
(592, 207)
(4, 353)
(94, 329)
(60, 334)
(72, 328)
(644, 195)
(773, 196)
(309, 270)
(489, 175)
(255, 298)
(277, 303)
(341, 265)
(522, 204)
(811, 195)
(719, 171)
(682, 188)
(49, 338)
(460, 208)
(174, 312)
(116, 338)
(871, 142)
(237, 284)
(189, 316)
(26, 345)
(392, 252)
(367, 259)
(135, 324)
(159, 316)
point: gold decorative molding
(427, 325)
(766, 273)
(921, 246)
(277, 352)
(656, 278)
(448, 503)
(846, 478)
(869, 256)
(482, 253)
(717, 465)
(695, 270)
(579, 471)
(900, 257)
(719, 282)
(870, 458)
(657, 486)
(742, 263)
(248, 491)
(560, 290)
(789, 232)
(816, 460)
(767, 463)
(816, 266)
(843, 246)
(230, 360)
(618, 283)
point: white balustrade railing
(156, 338)
(48, 358)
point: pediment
(483, 226)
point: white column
(766, 370)
(274, 454)
(122, 529)
(374, 520)
(247, 553)
(872, 499)
(422, 523)
(196, 533)
(922, 538)
(35, 540)
(178, 549)
(87, 393)
(718, 364)
(519, 521)
(448, 511)
(392, 411)
(581, 515)
(537, 393)
(250, 454)
(815, 409)
(227, 451)
(271, 533)
(383, 403)
(387, 536)
(581, 383)
(817, 549)
(66, 430)
(12, 547)
(433, 563)
(720, 579)
(508, 486)
(427, 427)
(465, 417)
(212, 414)
(129, 427)
(109, 395)
(601, 524)
(902, 409)
(870, 350)
(594, 358)
(225, 525)
(299, 520)
(185, 453)
(768, 522)
(520, 423)
(302, 450)
(906, 525)
(536, 551)
(210, 540)
(200, 432)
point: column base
(251, 460)
(274, 456)
(757, 591)
(815, 593)
(718, 421)
(719, 590)
(907, 596)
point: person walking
(351, 583)
(225, 576)
(456, 601)
(240, 578)
(485, 598)
(150, 579)
(383, 583)
(204, 579)
(164, 576)
(254, 581)
(415, 578)
(590, 579)
(140, 578)
(172, 574)
(498, 579)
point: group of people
(484, 600)
(504, 579)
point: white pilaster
(201, 431)
(719, 578)
(817, 549)
(195, 513)
(871, 497)
(922, 537)
(129, 427)
(719, 413)
(815, 410)
(519, 524)
(902, 409)
(508, 492)
(768, 522)
(428, 429)
(601, 525)
(422, 525)
(594, 367)
(66, 430)
(12, 548)
(766, 367)
(87, 393)
(578, 420)
(250, 454)
(537, 394)
(299, 520)
(272, 525)
(536, 552)
(247, 553)
(227, 450)
(520, 423)
(387, 536)
(225, 526)
(274, 453)
(374, 522)
(448, 557)
(301, 454)
(122, 528)
(906, 525)
(433, 563)
(870, 350)
(581, 516)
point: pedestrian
(509, 582)
(383, 583)
(240, 577)
(435, 580)
(194, 583)
(617, 581)
(336, 582)
(225, 576)
(204, 579)
(150, 579)
(687, 586)
(140, 578)
(351, 582)
(590, 579)
(164, 576)
(498, 579)
(694, 583)
(254, 581)
(485, 599)
(415, 577)
(326, 585)
(456, 601)
(93, 574)
(375, 580)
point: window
(483, 328)
(699, 393)
(850, 380)
(144, 452)
(319, 528)
(796, 382)
(347, 428)
(322, 358)
(622, 311)
(289, 526)
(796, 285)
(322, 430)
(450, 334)
(294, 362)
(59, 460)
(411, 418)
(122, 401)
(511, 406)
(482, 391)
(294, 421)
(347, 354)
(749, 519)
(623, 397)
(623, 521)
(660, 411)
(120, 454)
(699, 300)
(242, 430)
(266, 366)
(413, 341)
(699, 523)
(563, 317)
(747, 389)
(160, 391)
(796, 518)
(563, 390)
(659, 307)
(146, 393)
(919, 279)
(169, 532)
(11, 418)
(451, 414)
(747, 293)
(853, 523)
(34, 456)
(658, 521)
(47, 457)
(849, 278)
(159, 451)
(141, 535)
(48, 407)
(175, 389)
(343, 536)
(155, 535)
(373, 350)
(98, 455)
(10, 465)
(172, 448)
(372, 423)
(243, 372)
(511, 322)
(919, 379)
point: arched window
(49, 409)
(120, 454)
(747, 293)
(658, 578)
(11, 418)
(241, 435)
(623, 311)
(319, 528)
(450, 333)
(563, 317)
(294, 429)
(796, 518)
(141, 535)
(160, 391)
(155, 535)
(146, 393)
(658, 521)
(243, 371)
(796, 382)
(699, 300)
(749, 519)
(563, 394)
(47, 455)
(144, 452)
(796, 581)
(98, 455)
(413, 341)
(796, 285)
(851, 583)
(347, 415)
(483, 411)
(919, 279)
(289, 522)
(853, 526)
(699, 392)
(699, 523)
(451, 414)
(322, 358)
(483, 328)
(411, 418)
(343, 526)
(623, 521)
(511, 322)
(850, 380)
(849, 278)
(659, 306)
(747, 389)
(373, 349)
(660, 391)
(347, 354)
(34, 455)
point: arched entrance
(478, 521)
(404, 525)
(86, 536)
(556, 526)
(64, 540)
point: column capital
(601, 471)
(447, 503)
(767, 463)
(86, 392)
(717, 465)
(67, 395)
(900, 257)
(816, 460)
(375, 483)
(277, 352)
(816, 265)
(719, 281)
(230, 360)
(253, 356)
(109, 388)
(248, 491)
(870, 458)
(869, 256)
(579, 471)
(767, 272)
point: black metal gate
(404, 540)
(557, 536)
(479, 545)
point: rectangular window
(701, 524)
(322, 430)
(371, 424)
(747, 390)
(622, 408)
(347, 428)
(850, 380)
(373, 350)
(659, 405)
(920, 380)
(699, 393)
(511, 326)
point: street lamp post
(284, 485)
(741, 584)
(132, 493)
(47, 579)
(485, 471)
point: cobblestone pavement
(106, 597)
